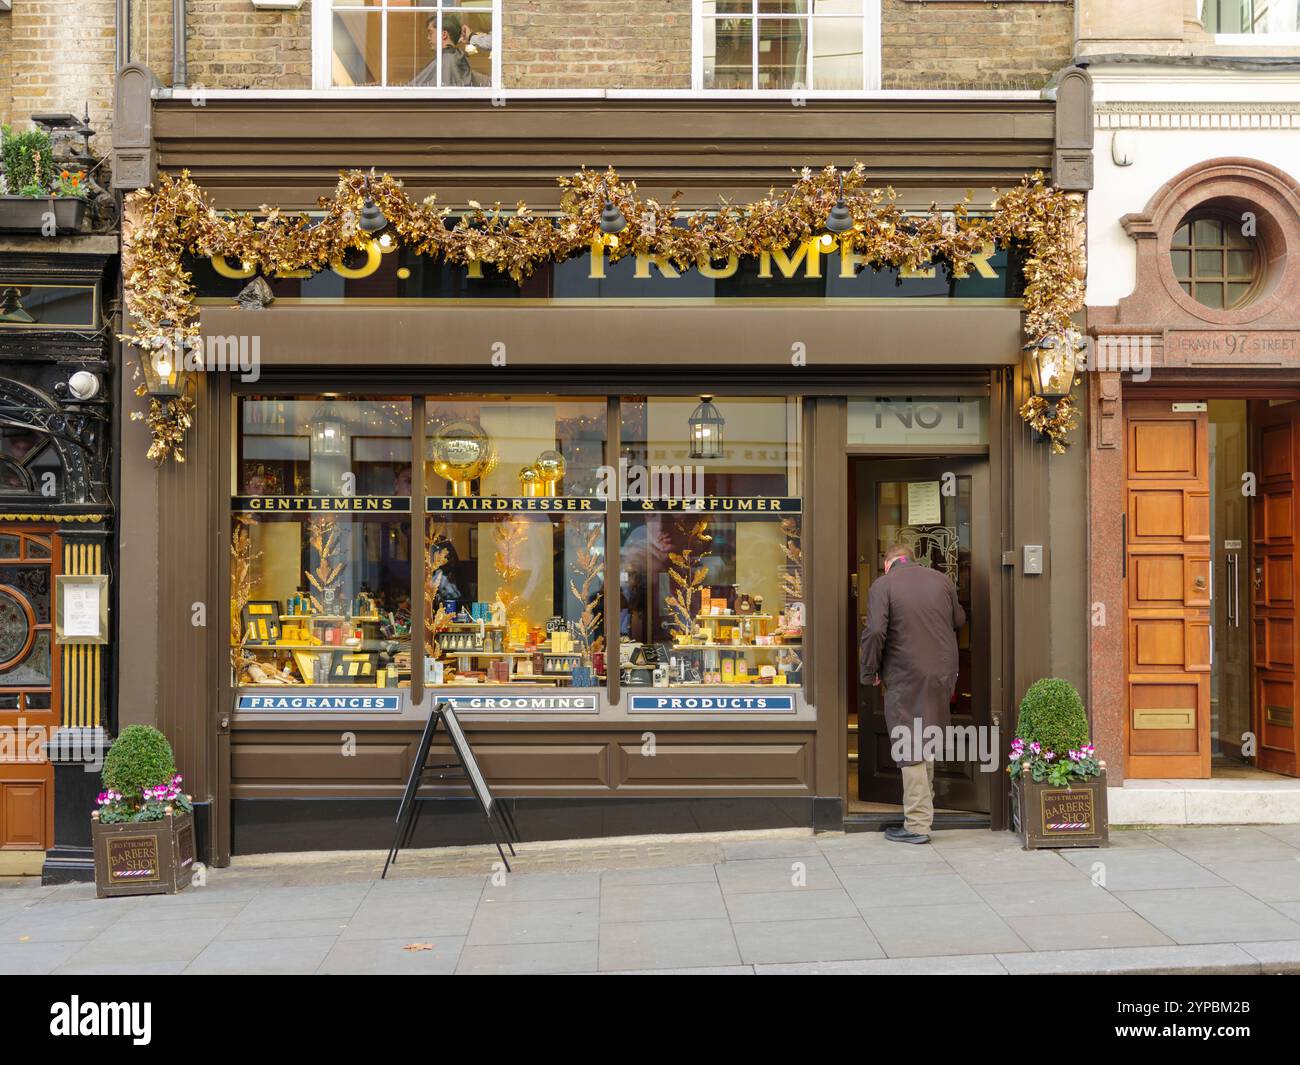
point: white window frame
(322, 50)
(1290, 37)
(870, 54)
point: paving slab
(1047, 898)
(1226, 958)
(956, 965)
(527, 959)
(1279, 957)
(284, 957)
(869, 891)
(800, 904)
(682, 874)
(776, 874)
(545, 921)
(1145, 869)
(834, 939)
(523, 887)
(1080, 931)
(1269, 881)
(661, 902)
(938, 931)
(667, 945)
(381, 956)
(1210, 915)
(35, 959)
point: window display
(515, 542)
(711, 563)
(511, 544)
(320, 551)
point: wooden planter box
(143, 857)
(1047, 816)
(24, 214)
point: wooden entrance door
(1275, 459)
(1167, 590)
(954, 540)
(29, 686)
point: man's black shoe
(899, 834)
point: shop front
(622, 513)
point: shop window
(787, 44)
(427, 44)
(321, 542)
(515, 542)
(1214, 261)
(711, 569)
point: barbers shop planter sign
(143, 830)
(1058, 786)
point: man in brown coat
(909, 642)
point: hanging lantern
(328, 436)
(706, 430)
(164, 377)
(1053, 362)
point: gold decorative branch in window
(323, 535)
(688, 578)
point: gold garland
(1057, 429)
(178, 217)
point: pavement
(1160, 900)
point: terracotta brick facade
(1013, 45)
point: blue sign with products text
(691, 704)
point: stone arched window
(1217, 244)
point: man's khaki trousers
(918, 797)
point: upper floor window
(787, 45)
(1214, 262)
(1251, 16)
(423, 44)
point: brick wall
(234, 46)
(608, 44)
(1011, 45)
(58, 55)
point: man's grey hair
(899, 551)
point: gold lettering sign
(133, 859)
(1067, 811)
(512, 504)
(315, 504)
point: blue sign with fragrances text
(288, 704)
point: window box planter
(26, 214)
(1047, 816)
(143, 857)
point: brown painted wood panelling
(1167, 590)
(469, 149)
(552, 761)
(1275, 519)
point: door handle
(1234, 591)
(853, 584)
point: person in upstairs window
(450, 54)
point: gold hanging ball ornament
(462, 452)
(550, 470)
(530, 481)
